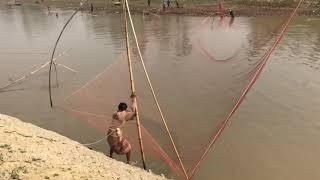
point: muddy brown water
(275, 133)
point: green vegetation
(16, 171)
(14, 174)
(28, 161)
(5, 146)
(36, 159)
(1, 158)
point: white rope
(90, 81)
(32, 72)
(96, 142)
(66, 67)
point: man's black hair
(122, 106)
(231, 13)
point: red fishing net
(197, 88)
(198, 73)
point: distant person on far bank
(221, 10)
(91, 7)
(231, 13)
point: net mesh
(199, 68)
(196, 93)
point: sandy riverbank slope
(30, 152)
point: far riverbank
(194, 8)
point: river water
(275, 133)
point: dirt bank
(29, 152)
(198, 8)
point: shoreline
(193, 9)
(30, 152)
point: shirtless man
(116, 141)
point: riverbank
(30, 152)
(196, 8)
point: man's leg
(111, 152)
(128, 155)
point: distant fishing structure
(54, 50)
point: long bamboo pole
(134, 98)
(154, 95)
(54, 50)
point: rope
(153, 93)
(253, 80)
(67, 67)
(90, 81)
(96, 142)
(32, 72)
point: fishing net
(199, 69)
(196, 77)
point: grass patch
(15, 173)
(36, 159)
(5, 146)
(1, 158)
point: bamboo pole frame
(134, 98)
(52, 55)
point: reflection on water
(273, 136)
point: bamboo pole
(154, 95)
(54, 50)
(134, 98)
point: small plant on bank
(5, 146)
(1, 158)
(36, 159)
(16, 171)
